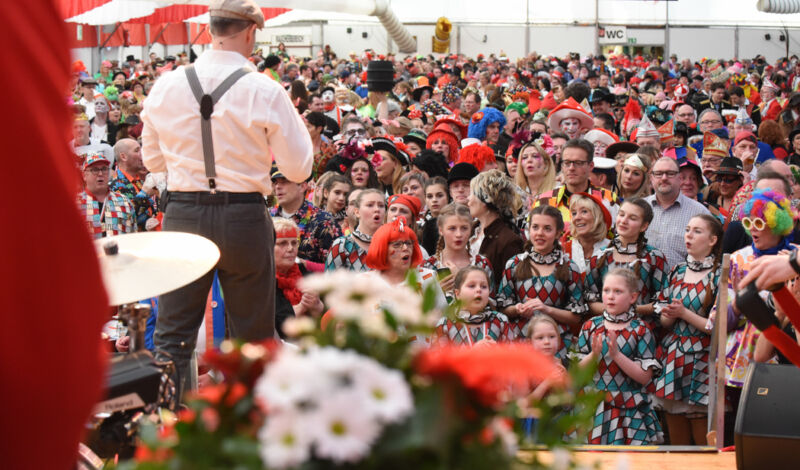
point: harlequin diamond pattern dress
(551, 291)
(653, 273)
(494, 327)
(684, 347)
(625, 416)
(345, 253)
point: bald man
(129, 179)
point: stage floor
(647, 458)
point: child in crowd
(629, 249)
(452, 249)
(543, 280)
(436, 197)
(625, 348)
(476, 322)
(682, 310)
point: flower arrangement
(360, 389)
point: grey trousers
(245, 237)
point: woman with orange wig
(394, 251)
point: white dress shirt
(253, 123)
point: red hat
(452, 120)
(745, 135)
(667, 131)
(599, 203)
(569, 109)
(412, 202)
(444, 132)
(378, 253)
(601, 135)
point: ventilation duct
(779, 6)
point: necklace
(549, 258)
(622, 317)
(362, 236)
(696, 265)
(629, 249)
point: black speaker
(767, 432)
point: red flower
(476, 118)
(486, 371)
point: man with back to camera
(217, 185)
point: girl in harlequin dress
(543, 280)
(625, 348)
(683, 309)
(629, 249)
(476, 323)
(350, 251)
(452, 249)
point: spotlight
(767, 36)
(364, 35)
(349, 30)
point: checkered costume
(625, 416)
(119, 216)
(345, 253)
(653, 274)
(459, 332)
(551, 291)
(684, 348)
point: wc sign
(613, 34)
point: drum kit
(137, 267)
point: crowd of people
(580, 203)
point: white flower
(296, 326)
(288, 381)
(285, 441)
(506, 435)
(342, 432)
(388, 396)
(374, 324)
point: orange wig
(378, 255)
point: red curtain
(54, 303)
(70, 8)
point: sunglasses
(727, 179)
(754, 223)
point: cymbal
(148, 264)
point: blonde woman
(633, 179)
(588, 235)
(536, 172)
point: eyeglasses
(670, 174)
(97, 170)
(754, 223)
(575, 163)
(712, 160)
(399, 244)
(714, 121)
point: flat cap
(237, 9)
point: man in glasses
(577, 163)
(671, 211)
(105, 212)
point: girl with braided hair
(629, 249)
(452, 249)
(683, 309)
(543, 280)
